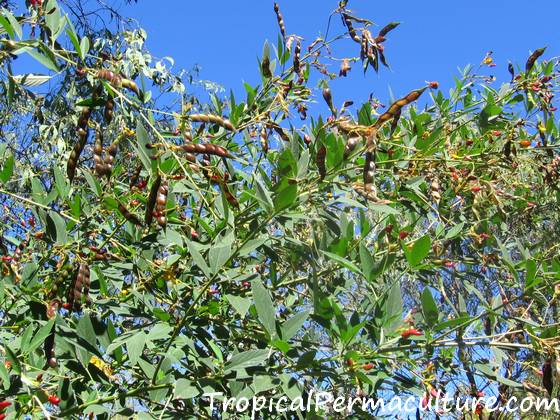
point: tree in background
(158, 245)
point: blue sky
(436, 37)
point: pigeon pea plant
(159, 247)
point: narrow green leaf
(265, 307)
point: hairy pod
(369, 170)
(128, 215)
(229, 196)
(161, 203)
(281, 133)
(152, 197)
(264, 140)
(130, 85)
(386, 29)
(394, 110)
(327, 96)
(213, 119)
(112, 151)
(350, 145)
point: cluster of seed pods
(213, 119)
(161, 203)
(116, 80)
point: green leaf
(420, 250)
(265, 307)
(429, 307)
(286, 195)
(241, 305)
(13, 23)
(342, 261)
(45, 59)
(530, 274)
(7, 169)
(135, 347)
(263, 195)
(246, 359)
(39, 337)
(185, 389)
(140, 146)
(367, 262)
(7, 26)
(84, 47)
(292, 325)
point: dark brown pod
(369, 170)
(321, 161)
(327, 96)
(128, 215)
(351, 30)
(152, 197)
(211, 149)
(135, 176)
(112, 151)
(533, 58)
(297, 53)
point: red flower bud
(368, 366)
(411, 331)
(403, 234)
(433, 85)
(4, 404)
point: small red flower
(4, 404)
(6, 258)
(531, 204)
(496, 133)
(246, 284)
(53, 399)
(368, 366)
(389, 229)
(433, 85)
(449, 264)
(2, 416)
(484, 236)
(66, 305)
(411, 331)
(476, 189)
(349, 362)
(480, 394)
(8, 364)
(194, 235)
(403, 234)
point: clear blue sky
(225, 37)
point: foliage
(159, 247)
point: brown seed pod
(297, 52)
(98, 153)
(161, 203)
(368, 192)
(280, 19)
(386, 29)
(229, 196)
(533, 58)
(130, 85)
(321, 161)
(213, 119)
(109, 110)
(350, 145)
(351, 30)
(79, 145)
(128, 215)
(208, 148)
(152, 197)
(281, 133)
(344, 68)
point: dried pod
(344, 68)
(229, 196)
(511, 71)
(351, 30)
(281, 133)
(152, 197)
(130, 85)
(128, 215)
(533, 58)
(213, 119)
(86, 282)
(280, 19)
(321, 161)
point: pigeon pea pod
(213, 119)
(280, 20)
(152, 198)
(128, 215)
(79, 145)
(208, 148)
